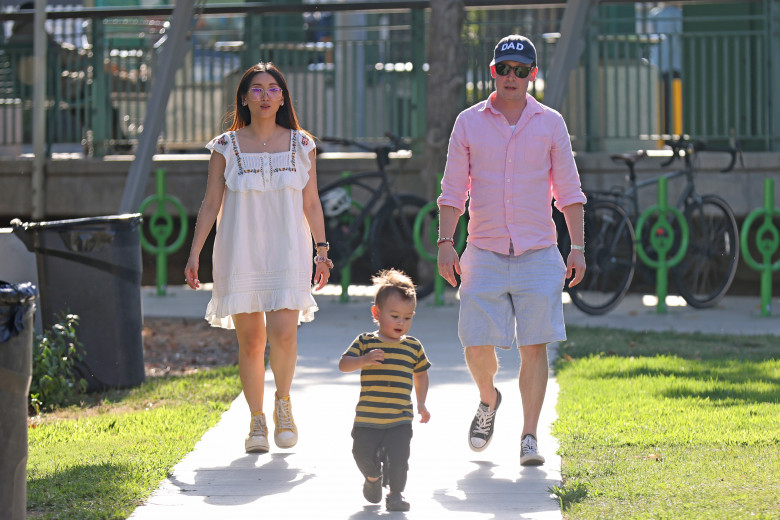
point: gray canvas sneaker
(529, 451)
(481, 429)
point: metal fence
(645, 73)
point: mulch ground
(176, 346)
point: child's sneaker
(285, 431)
(257, 440)
(481, 430)
(372, 491)
(396, 502)
(529, 452)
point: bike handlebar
(382, 151)
(688, 146)
(396, 143)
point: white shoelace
(483, 421)
(258, 427)
(529, 445)
(284, 415)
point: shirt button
(507, 180)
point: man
(510, 155)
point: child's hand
(425, 415)
(375, 357)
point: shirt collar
(532, 105)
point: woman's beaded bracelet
(578, 248)
(445, 239)
(320, 259)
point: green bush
(54, 382)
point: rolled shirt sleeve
(455, 183)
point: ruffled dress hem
(219, 311)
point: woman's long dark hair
(285, 116)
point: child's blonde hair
(393, 281)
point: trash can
(92, 267)
(17, 307)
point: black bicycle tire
(391, 248)
(601, 257)
(700, 255)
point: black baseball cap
(514, 48)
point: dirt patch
(175, 346)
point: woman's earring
(243, 103)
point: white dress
(263, 249)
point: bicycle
(362, 212)
(710, 263)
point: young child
(390, 363)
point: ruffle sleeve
(305, 145)
(221, 144)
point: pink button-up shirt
(510, 177)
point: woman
(262, 192)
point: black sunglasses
(521, 71)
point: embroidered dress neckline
(238, 147)
(264, 163)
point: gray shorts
(505, 298)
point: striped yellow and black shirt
(385, 389)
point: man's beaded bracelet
(445, 239)
(320, 259)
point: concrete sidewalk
(318, 478)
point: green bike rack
(433, 236)
(161, 228)
(662, 240)
(767, 240)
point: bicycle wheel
(392, 241)
(610, 256)
(708, 267)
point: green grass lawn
(668, 425)
(101, 459)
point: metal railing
(358, 74)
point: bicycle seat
(629, 158)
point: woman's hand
(321, 275)
(191, 272)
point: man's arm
(575, 222)
(448, 260)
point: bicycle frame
(629, 199)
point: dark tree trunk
(445, 84)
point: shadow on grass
(600, 341)
(82, 492)
(727, 370)
(569, 494)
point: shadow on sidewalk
(481, 492)
(271, 478)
